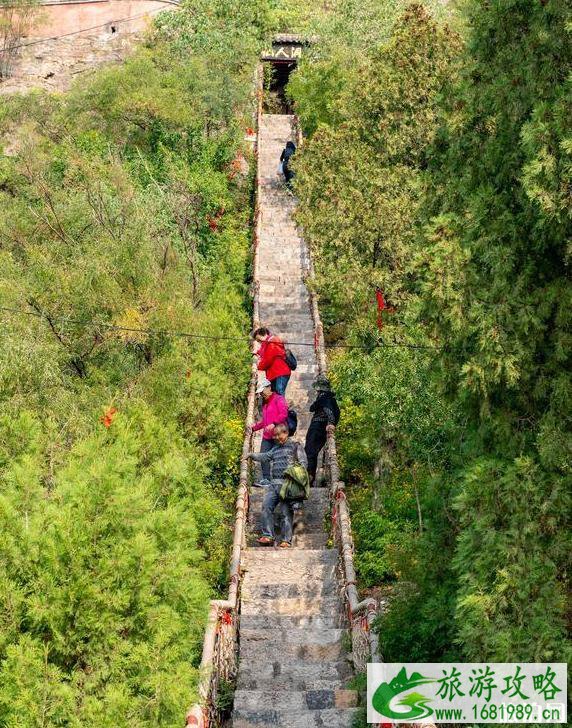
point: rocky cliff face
(55, 63)
(74, 37)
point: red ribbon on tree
(380, 307)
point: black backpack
(292, 422)
(290, 359)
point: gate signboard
(286, 48)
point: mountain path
(293, 663)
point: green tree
(503, 229)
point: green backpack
(296, 486)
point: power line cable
(93, 27)
(208, 337)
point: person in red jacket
(274, 412)
(272, 359)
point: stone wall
(75, 37)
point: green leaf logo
(386, 698)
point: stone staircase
(293, 666)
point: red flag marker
(380, 307)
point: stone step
(277, 285)
(266, 565)
(280, 271)
(272, 559)
(298, 333)
(287, 684)
(275, 271)
(282, 234)
(304, 676)
(311, 541)
(267, 717)
(286, 700)
(293, 320)
(298, 326)
(274, 296)
(280, 292)
(303, 327)
(277, 224)
(281, 274)
(270, 309)
(287, 635)
(253, 652)
(298, 312)
(292, 607)
(317, 585)
(335, 620)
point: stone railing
(219, 663)
(360, 613)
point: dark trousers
(279, 384)
(271, 500)
(265, 446)
(316, 438)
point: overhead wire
(192, 335)
(93, 27)
(174, 332)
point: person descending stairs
(293, 667)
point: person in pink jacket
(274, 412)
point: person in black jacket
(285, 158)
(325, 418)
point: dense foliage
(124, 215)
(438, 168)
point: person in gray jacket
(285, 453)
